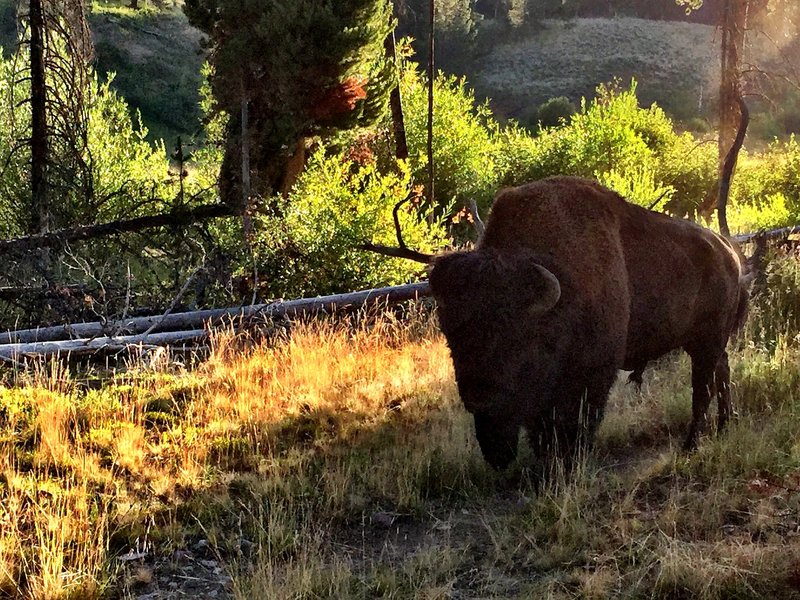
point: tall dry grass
(335, 461)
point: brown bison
(569, 284)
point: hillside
(675, 63)
(156, 58)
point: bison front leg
(498, 436)
(702, 391)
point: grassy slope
(156, 56)
(340, 464)
(157, 59)
(674, 62)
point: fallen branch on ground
(190, 326)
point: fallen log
(14, 352)
(772, 234)
(96, 335)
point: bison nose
(479, 394)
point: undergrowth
(338, 451)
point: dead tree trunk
(91, 337)
(733, 25)
(39, 218)
(431, 78)
(396, 105)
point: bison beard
(569, 284)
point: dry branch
(174, 218)
(98, 335)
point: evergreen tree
(284, 71)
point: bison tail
(742, 308)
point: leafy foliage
(122, 167)
(634, 150)
(770, 183)
(336, 205)
(462, 144)
(325, 70)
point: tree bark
(39, 218)
(396, 105)
(431, 78)
(733, 25)
(728, 166)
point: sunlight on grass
(338, 454)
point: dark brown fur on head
(569, 284)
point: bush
(771, 179)
(112, 176)
(634, 150)
(463, 148)
(336, 205)
(556, 111)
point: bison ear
(539, 290)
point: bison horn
(548, 295)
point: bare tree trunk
(727, 169)
(247, 217)
(733, 23)
(396, 105)
(197, 320)
(431, 78)
(39, 218)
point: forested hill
(156, 57)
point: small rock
(209, 564)
(246, 547)
(173, 585)
(202, 546)
(182, 556)
(383, 519)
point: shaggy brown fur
(633, 285)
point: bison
(568, 284)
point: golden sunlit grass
(335, 461)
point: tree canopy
(301, 68)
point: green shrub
(634, 150)
(463, 148)
(556, 111)
(771, 179)
(111, 177)
(336, 205)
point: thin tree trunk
(727, 169)
(40, 215)
(733, 21)
(396, 105)
(431, 78)
(247, 217)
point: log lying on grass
(186, 327)
(773, 234)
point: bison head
(490, 304)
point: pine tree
(284, 71)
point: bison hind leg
(722, 380)
(704, 368)
(498, 437)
